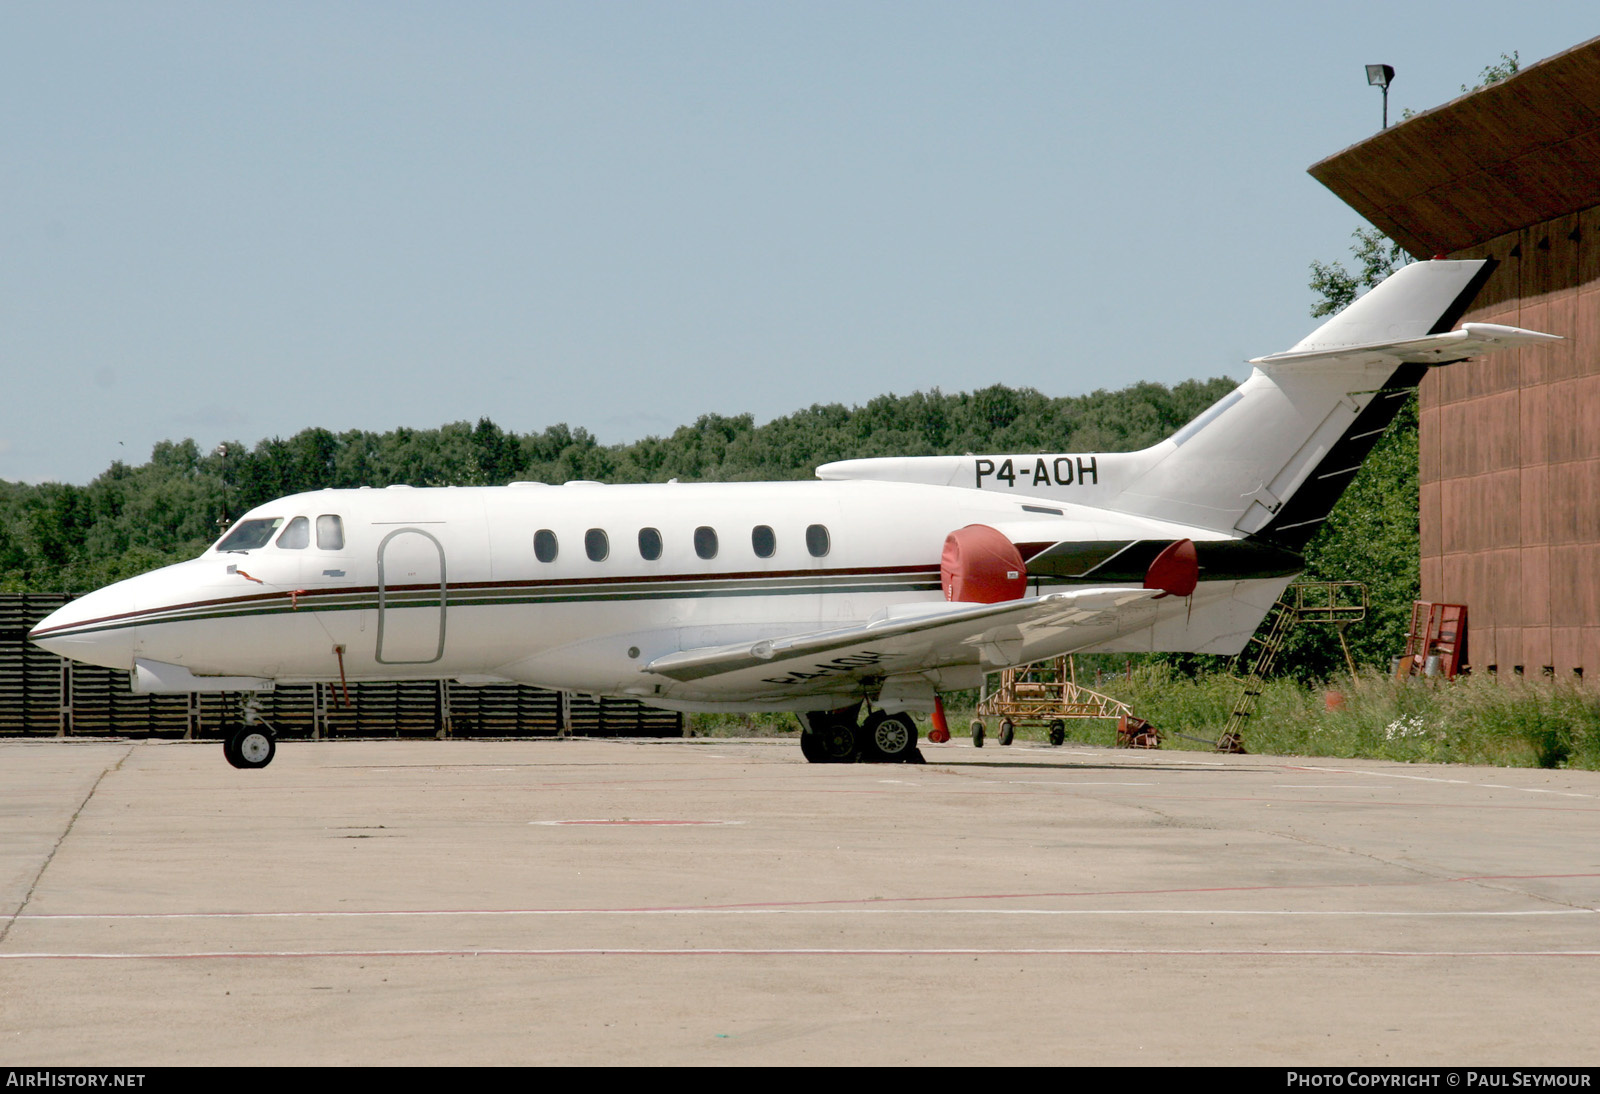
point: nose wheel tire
(1008, 733)
(977, 734)
(250, 747)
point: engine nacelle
(981, 566)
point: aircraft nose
(97, 629)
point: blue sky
(229, 221)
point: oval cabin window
(649, 544)
(817, 540)
(763, 541)
(596, 545)
(545, 547)
(705, 542)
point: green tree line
(58, 537)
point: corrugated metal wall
(1510, 460)
(42, 695)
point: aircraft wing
(1432, 349)
(917, 638)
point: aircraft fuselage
(463, 583)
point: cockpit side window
(247, 535)
(296, 537)
(330, 533)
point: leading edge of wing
(925, 621)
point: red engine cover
(1176, 570)
(981, 566)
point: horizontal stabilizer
(1432, 349)
(1270, 460)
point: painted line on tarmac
(877, 902)
(614, 951)
(1383, 803)
(1452, 782)
(604, 822)
(1355, 913)
(1069, 786)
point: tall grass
(1515, 723)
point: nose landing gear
(253, 744)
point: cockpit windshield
(247, 535)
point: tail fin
(1271, 458)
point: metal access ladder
(1339, 603)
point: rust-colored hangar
(1510, 461)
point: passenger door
(411, 598)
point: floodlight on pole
(1381, 76)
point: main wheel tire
(839, 743)
(1008, 733)
(227, 748)
(811, 747)
(252, 747)
(890, 738)
(977, 734)
(1058, 733)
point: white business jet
(876, 589)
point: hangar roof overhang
(1515, 153)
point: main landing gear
(834, 737)
(253, 744)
